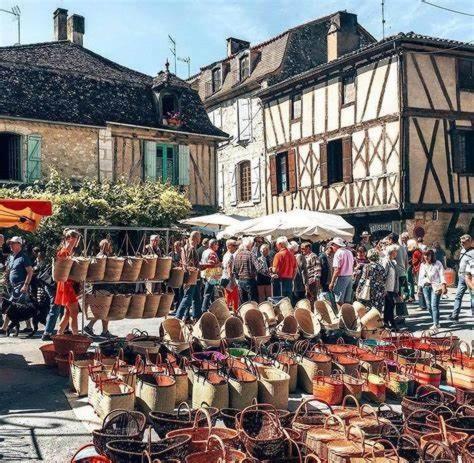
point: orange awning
(23, 213)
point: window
(166, 164)
(216, 79)
(10, 154)
(463, 151)
(244, 67)
(244, 119)
(335, 171)
(245, 182)
(348, 89)
(169, 105)
(282, 172)
(296, 107)
(466, 74)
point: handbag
(363, 293)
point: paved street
(36, 421)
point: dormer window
(169, 108)
(244, 69)
(216, 79)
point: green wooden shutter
(33, 160)
(150, 160)
(183, 165)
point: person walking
(231, 290)
(466, 255)
(389, 263)
(19, 273)
(359, 263)
(66, 294)
(191, 295)
(300, 281)
(431, 279)
(284, 267)
(211, 273)
(342, 271)
(313, 265)
(245, 271)
(175, 255)
(402, 261)
(264, 278)
(365, 241)
(326, 258)
(202, 248)
(371, 287)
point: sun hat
(15, 239)
(365, 233)
(338, 241)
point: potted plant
(174, 118)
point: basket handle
(370, 412)
(431, 390)
(293, 443)
(312, 458)
(338, 419)
(384, 404)
(272, 417)
(433, 443)
(457, 412)
(304, 405)
(186, 406)
(220, 443)
(386, 442)
(354, 399)
(204, 412)
(146, 457)
(359, 432)
(71, 357)
(73, 459)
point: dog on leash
(18, 312)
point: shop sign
(376, 227)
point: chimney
(75, 29)
(342, 35)
(60, 24)
(236, 45)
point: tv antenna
(173, 50)
(186, 60)
(383, 19)
(15, 11)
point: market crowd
(384, 275)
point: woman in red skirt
(65, 293)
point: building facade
(382, 135)
(229, 90)
(67, 108)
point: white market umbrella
(310, 225)
(214, 221)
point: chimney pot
(236, 45)
(60, 24)
(76, 29)
(342, 35)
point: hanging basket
(80, 266)
(61, 268)
(176, 278)
(152, 302)
(163, 268)
(131, 268)
(98, 304)
(119, 306)
(166, 302)
(148, 268)
(137, 306)
(113, 268)
(96, 270)
(191, 276)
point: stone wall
(71, 150)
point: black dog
(18, 312)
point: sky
(135, 33)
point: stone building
(65, 107)
(382, 134)
(229, 87)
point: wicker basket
(61, 268)
(372, 320)
(191, 277)
(273, 386)
(207, 331)
(96, 270)
(98, 304)
(113, 394)
(163, 268)
(131, 268)
(176, 335)
(156, 393)
(49, 354)
(166, 302)
(137, 306)
(152, 303)
(113, 268)
(119, 306)
(79, 374)
(148, 269)
(80, 266)
(176, 278)
(63, 343)
(62, 361)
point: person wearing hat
(342, 270)
(154, 246)
(465, 258)
(365, 240)
(231, 290)
(19, 274)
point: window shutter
(221, 182)
(292, 179)
(233, 186)
(347, 160)
(273, 175)
(218, 118)
(183, 165)
(245, 121)
(323, 163)
(150, 160)
(255, 175)
(33, 160)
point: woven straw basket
(207, 330)
(191, 277)
(273, 386)
(156, 393)
(136, 307)
(163, 268)
(113, 268)
(176, 277)
(131, 268)
(308, 323)
(175, 334)
(79, 374)
(61, 268)
(148, 269)
(98, 304)
(96, 270)
(119, 306)
(80, 266)
(220, 310)
(152, 302)
(372, 320)
(233, 329)
(166, 302)
(112, 395)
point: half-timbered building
(383, 134)
(63, 106)
(228, 89)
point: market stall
(25, 214)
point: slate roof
(64, 82)
(289, 53)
